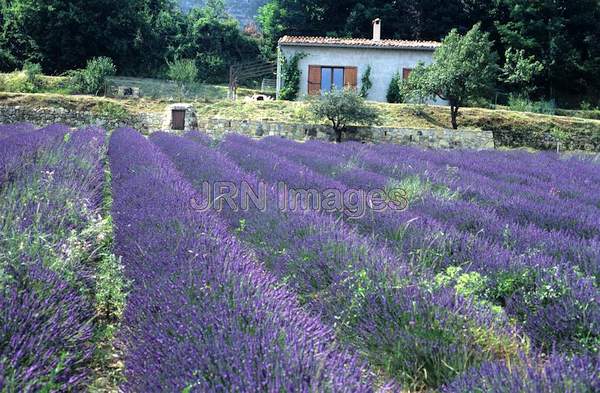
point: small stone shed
(180, 117)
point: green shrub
(92, 79)
(28, 80)
(394, 92)
(14, 82)
(111, 110)
(522, 104)
(33, 74)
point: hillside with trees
(243, 10)
(138, 35)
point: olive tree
(464, 68)
(341, 108)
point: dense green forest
(139, 35)
(142, 35)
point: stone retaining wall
(44, 116)
(434, 138)
(150, 122)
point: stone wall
(433, 138)
(44, 116)
(584, 140)
(150, 122)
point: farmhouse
(330, 63)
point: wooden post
(232, 83)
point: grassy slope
(162, 89)
(17, 81)
(409, 116)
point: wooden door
(178, 119)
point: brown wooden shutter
(314, 80)
(350, 77)
(406, 73)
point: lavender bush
(487, 281)
(14, 129)
(557, 305)
(19, 148)
(556, 374)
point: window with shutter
(323, 79)
(406, 73)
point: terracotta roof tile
(358, 42)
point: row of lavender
(50, 188)
(202, 315)
(545, 275)
(421, 334)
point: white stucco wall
(384, 64)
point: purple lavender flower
(557, 374)
(16, 148)
(47, 313)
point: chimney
(377, 30)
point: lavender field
(137, 264)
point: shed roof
(358, 43)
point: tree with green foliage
(343, 107)
(63, 34)
(464, 69)
(268, 18)
(214, 40)
(561, 35)
(159, 38)
(138, 35)
(407, 19)
(520, 70)
(183, 72)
